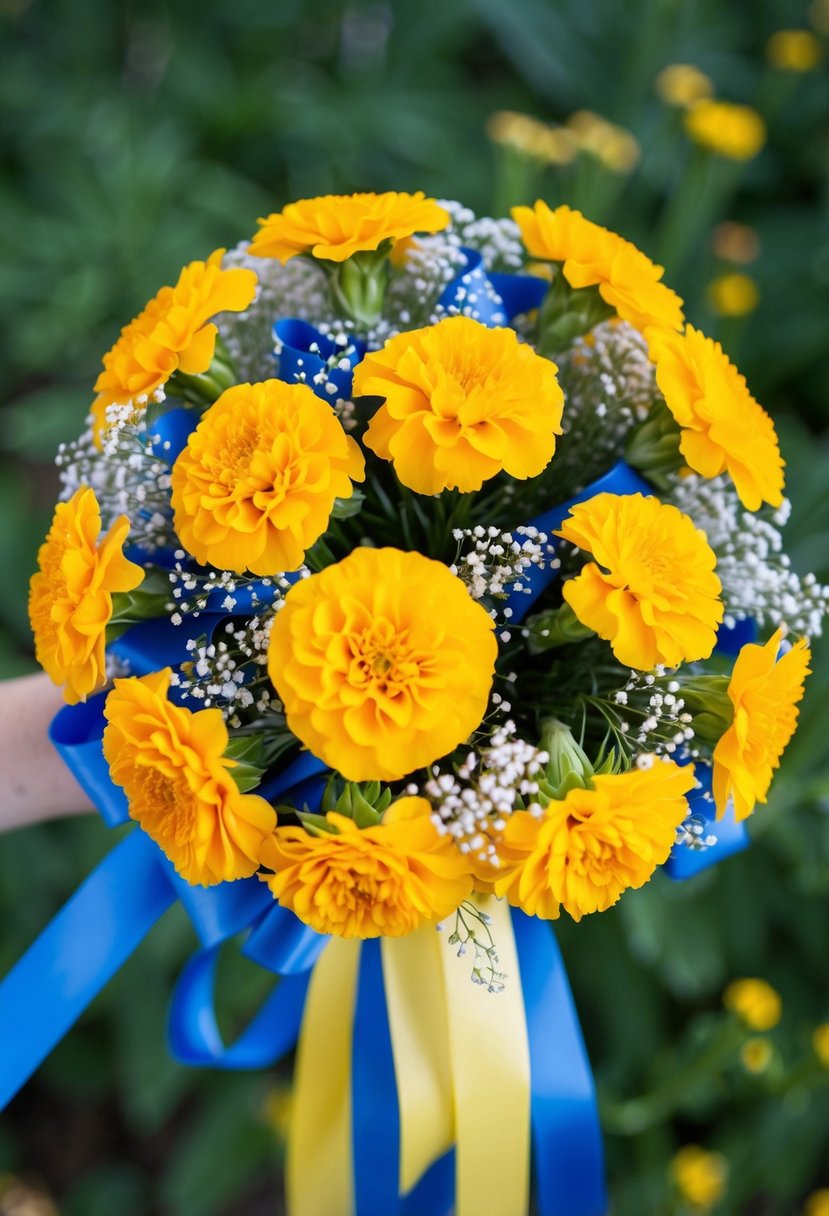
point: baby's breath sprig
(647, 715)
(230, 672)
(493, 563)
(479, 936)
(192, 590)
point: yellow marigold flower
(681, 84)
(756, 1055)
(171, 333)
(733, 295)
(70, 595)
(794, 50)
(383, 663)
(765, 692)
(700, 1176)
(379, 881)
(755, 1002)
(462, 403)
(817, 1204)
(736, 132)
(551, 145)
(336, 226)
(651, 591)
(255, 486)
(723, 427)
(615, 147)
(584, 851)
(820, 1042)
(171, 765)
(593, 256)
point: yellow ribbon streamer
(462, 1069)
(319, 1173)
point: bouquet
(414, 571)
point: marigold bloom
(817, 1204)
(171, 764)
(756, 1054)
(794, 50)
(736, 132)
(681, 84)
(765, 692)
(651, 591)
(593, 256)
(462, 403)
(755, 1002)
(379, 881)
(723, 427)
(172, 333)
(550, 145)
(336, 226)
(383, 663)
(700, 1176)
(733, 295)
(70, 595)
(255, 486)
(584, 851)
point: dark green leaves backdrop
(138, 136)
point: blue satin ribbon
(375, 1119)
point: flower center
(166, 806)
(381, 660)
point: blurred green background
(138, 136)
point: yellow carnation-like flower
(755, 1002)
(735, 132)
(171, 765)
(333, 227)
(585, 850)
(70, 595)
(171, 333)
(379, 881)
(651, 591)
(723, 427)
(462, 403)
(255, 486)
(627, 279)
(383, 663)
(765, 692)
(700, 1176)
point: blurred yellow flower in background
(383, 662)
(614, 146)
(682, 84)
(462, 403)
(334, 227)
(383, 880)
(170, 762)
(755, 1002)
(756, 1055)
(584, 851)
(765, 692)
(794, 50)
(817, 1204)
(70, 594)
(700, 1176)
(736, 242)
(172, 333)
(533, 138)
(652, 591)
(820, 1042)
(733, 131)
(723, 428)
(733, 295)
(256, 483)
(627, 279)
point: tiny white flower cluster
(297, 289)
(129, 475)
(497, 240)
(192, 590)
(343, 359)
(230, 673)
(693, 833)
(609, 385)
(756, 574)
(416, 286)
(662, 726)
(497, 562)
(473, 803)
